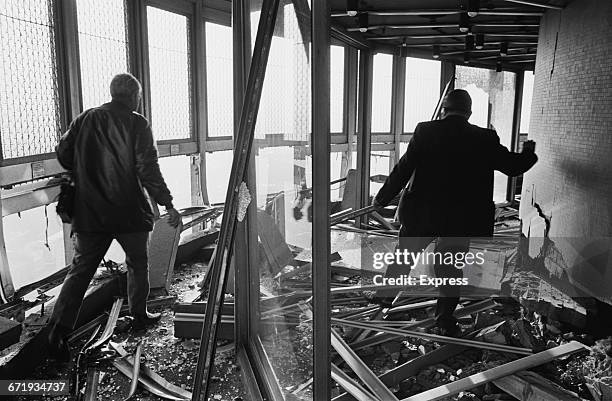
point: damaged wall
(571, 121)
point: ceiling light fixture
(480, 41)
(473, 8)
(352, 7)
(469, 42)
(436, 52)
(363, 22)
(503, 51)
(464, 22)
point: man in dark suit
(451, 195)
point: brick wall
(571, 121)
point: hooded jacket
(112, 156)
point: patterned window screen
(381, 92)
(170, 74)
(102, 46)
(336, 88)
(219, 80)
(30, 121)
(422, 91)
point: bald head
(126, 89)
(457, 102)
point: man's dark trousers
(448, 297)
(89, 249)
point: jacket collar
(117, 104)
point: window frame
(182, 146)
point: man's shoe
(58, 347)
(141, 322)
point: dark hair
(458, 100)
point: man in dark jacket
(112, 156)
(451, 195)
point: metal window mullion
(349, 107)
(321, 274)
(244, 142)
(516, 126)
(397, 103)
(67, 42)
(138, 50)
(364, 138)
(7, 289)
(447, 72)
(200, 111)
(246, 266)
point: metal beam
(536, 4)
(7, 289)
(440, 12)
(407, 26)
(398, 94)
(377, 387)
(364, 137)
(439, 26)
(246, 290)
(462, 44)
(498, 372)
(455, 35)
(321, 248)
(516, 125)
(244, 142)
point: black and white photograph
(306, 200)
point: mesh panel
(102, 46)
(285, 107)
(381, 92)
(219, 80)
(169, 63)
(422, 91)
(29, 94)
(336, 88)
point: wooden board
(163, 246)
(498, 372)
(529, 386)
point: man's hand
(174, 218)
(529, 147)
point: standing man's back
(453, 163)
(451, 196)
(111, 155)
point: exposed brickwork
(571, 121)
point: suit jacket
(452, 192)
(111, 154)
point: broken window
(30, 118)
(379, 166)
(218, 168)
(283, 197)
(34, 242)
(103, 49)
(492, 107)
